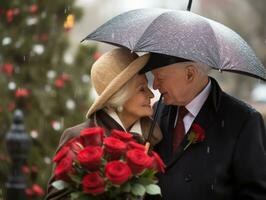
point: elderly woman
(123, 102)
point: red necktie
(179, 130)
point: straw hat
(111, 72)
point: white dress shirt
(194, 106)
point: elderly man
(214, 145)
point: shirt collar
(195, 105)
(136, 128)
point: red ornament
(25, 169)
(3, 157)
(1, 10)
(1, 108)
(22, 92)
(37, 190)
(8, 69)
(9, 15)
(11, 106)
(34, 169)
(59, 83)
(43, 37)
(65, 77)
(33, 8)
(16, 11)
(29, 192)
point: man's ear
(191, 72)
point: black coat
(230, 164)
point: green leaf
(138, 189)
(75, 195)
(149, 173)
(81, 196)
(76, 179)
(146, 181)
(126, 187)
(153, 189)
(59, 184)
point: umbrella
(181, 34)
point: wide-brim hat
(111, 72)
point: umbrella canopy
(181, 34)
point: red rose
(157, 162)
(70, 149)
(64, 168)
(138, 160)
(114, 147)
(93, 184)
(92, 136)
(199, 131)
(117, 172)
(122, 135)
(134, 145)
(37, 190)
(90, 157)
(62, 153)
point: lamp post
(18, 145)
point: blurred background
(44, 69)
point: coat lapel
(204, 118)
(167, 125)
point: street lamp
(18, 145)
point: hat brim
(160, 60)
(118, 82)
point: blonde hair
(122, 95)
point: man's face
(172, 82)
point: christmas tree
(39, 75)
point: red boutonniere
(196, 135)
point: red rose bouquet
(97, 167)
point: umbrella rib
(244, 73)
(153, 21)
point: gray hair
(203, 68)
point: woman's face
(139, 105)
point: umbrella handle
(147, 147)
(189, 5)
(154, 121)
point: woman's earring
(120, 108)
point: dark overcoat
(229, 164)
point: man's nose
(155, 85)
(150, 94)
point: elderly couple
(228, 163)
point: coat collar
(102, 119)
(136, 128)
